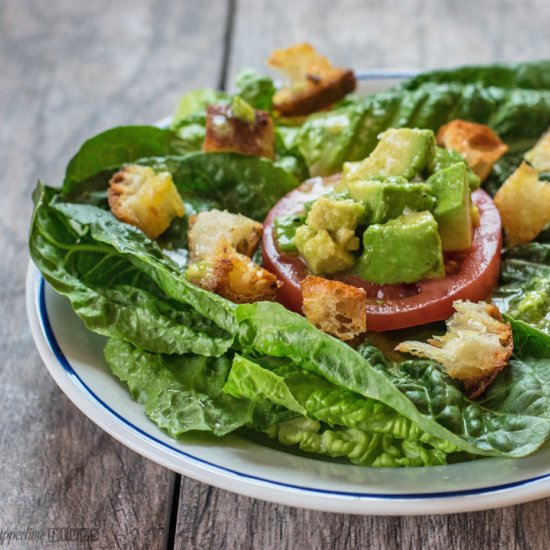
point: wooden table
(70, 69)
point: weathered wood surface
(70, 69)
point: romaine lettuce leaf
(121, 284)
(350, 133)
(114, 147)
(533, 75)
(416, 389)
(183, 393)
(239, 183)
(256, 89)
(359, 447)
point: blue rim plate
(74, 358)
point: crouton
(524, 205)
(139, 196)
(475, 348)
(238, 128)
(233, 276)
(477, 143)
(334, 307)
(207, 229)
(314, 82)
(539, 156)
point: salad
(356, 278)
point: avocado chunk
(333, 213)
(326, 253)
(444, 158)
(328, 238)
(400, 152)
(453, 209)
(404, 250)
(386, 198)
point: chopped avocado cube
(444, 158)
(404, 250)
(333, 213)
(284, 230)
(400, 152)
(385, 199)
(453, 209)
(243, 110)
(322, 252)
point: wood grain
(68, 70)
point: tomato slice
(471, 275)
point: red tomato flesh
(471, 275)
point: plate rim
(147, 445)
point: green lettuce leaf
(525, 294)
(326, 141)
(121, 284)
(195, 103)
(239, 183)
(183, 393)
(533, 75)
(359, 447)
(416, 389)
(256, 89)
(116, 146)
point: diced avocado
(284, 230)
(324, 253)
(243, 110)
(404, 250)
(444, 158)
(387, 198)
(400, 152)
(332, 213)
(453, 209)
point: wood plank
(417, 34)
(367, 33)
(68, 70)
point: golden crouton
(238, 128)
(139, 196)
(207, 229)
(334, 307)
(233, 276)
(524, 205)
(475, 348)
(314, 82)
(477, 143)
(539, 156)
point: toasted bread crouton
(524, 205)
(477, 143)
(539, 156)
(334, 307)
(139, 196)
(314, 82)
(208, 229)
(475, 348)
(233, 276)
(238, 128)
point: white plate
(74, 357)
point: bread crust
(142, 198)
(315, 83)
(229, 134)
(234, 276)
(334, 307)
(208, 229)
(475, 348)
(477, 143)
